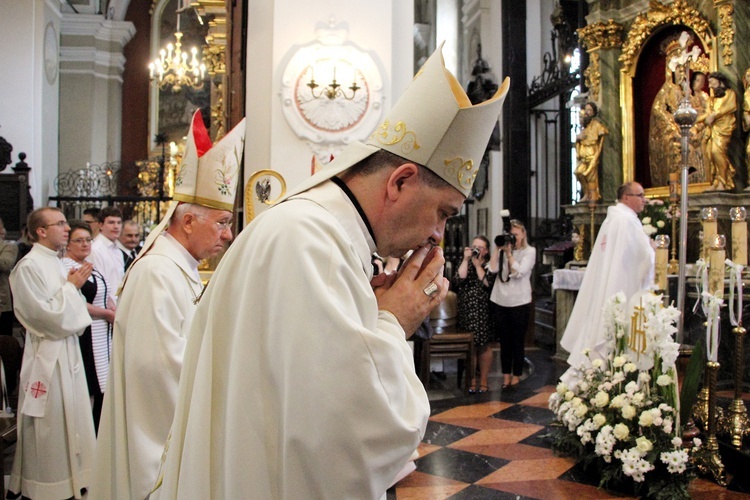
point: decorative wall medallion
(51, 53)
(346, 101)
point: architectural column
(91, 66)
(603, 42)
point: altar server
(298, 380)
(157, 302)
(55, 444)
(622, 260)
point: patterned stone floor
(494, 446)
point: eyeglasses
(639, 195)
(81, 240)
(60, 223)
(223, 225)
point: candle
(716, 256)
(662, 256)
(708, 216)
(739, 235)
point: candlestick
(709, 221)
(739, 235)
(662, 255)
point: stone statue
(720, 122)
(746, 121)
(698, 101)
(5, 150)
(588, 151)
(664, 134)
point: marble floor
(493, 445)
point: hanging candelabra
(173, 69)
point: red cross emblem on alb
(38, 389)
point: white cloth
(567, 279)
(295, 385)
(516, 290)
(108, 260)
(622, 260)
(151, 325)
(55, 428)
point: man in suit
(129, 242)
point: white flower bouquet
(622, 413)
(656, 218)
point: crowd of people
(290, 375)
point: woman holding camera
(472, 285)
(513, 261)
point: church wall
(28, 110)
(274, 28)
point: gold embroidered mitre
(435, 125)
(209, 175)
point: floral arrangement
(622, 414)
(656, 218)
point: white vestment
(151, 326)
(295, 385)
(56, 437)
(622, 260)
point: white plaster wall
(28, 109)
(383, 28)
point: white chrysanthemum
(631, 387)
(667, 425)
(597, 363)
(630, 367)
(562, 388)
(677, 442)
(569, 395)
(618, 361)
(618, 377)
(697, 443)
(638, 398)
(644, 377)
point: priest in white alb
(55, 447)
(156, 306)
(622, 261)
(298, 379)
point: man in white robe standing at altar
(157, 303)
(622, 260)
(55, 446)
(298, 379)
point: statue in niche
(720, 121)
(746, 121)
(699, 101)
(664, 134)
(588, 152)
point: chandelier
(333, 89)
(172, 67)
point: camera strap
(503, 264)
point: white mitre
(433, 124)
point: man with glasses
(55, 447)
(622, 260)
(157, 302)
